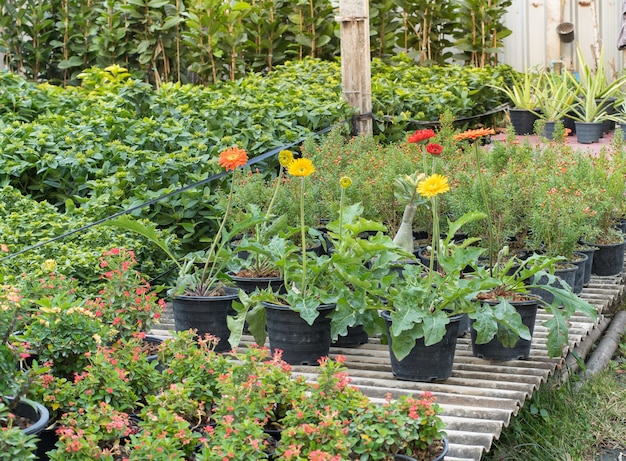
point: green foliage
(427, 30)
(482, 30)
(209, 41)
(27, 223)
(424, 93)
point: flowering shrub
(125, 301)
(407, 426)
(91, 432)
(62, 329)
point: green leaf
(148, 231)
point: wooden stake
(355, 61)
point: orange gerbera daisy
(232, 158)
(474, 134)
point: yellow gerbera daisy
(301, 167)
(345, 182)
(285, 157)
(433, 185)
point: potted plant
(350, 426)
(249, 266)
(403, 429)
(603, 191)
(423, 308)
(524, 95)
(21, 419)
(338, 283)
(557, 97)
(505, 285)
(596, 97)
(202, 299)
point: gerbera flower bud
(285, 157)
(345, 182)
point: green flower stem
(275, 194)
(218, 235)
(303, 237)
(435, 239)
(487, 204)
(341, 213)
(257, 256)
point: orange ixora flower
(232, 158)
(474, 134)
(301, 167)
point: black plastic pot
(581, 265)
(588, 132)
(589, 252)
(249, 284)
(565, 276)
(356, 336)
(608, 259)
(301, 343)
(426, 363)
(523, 121)
(495, 350)
(441, 456)
(206, 314)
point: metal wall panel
(531, 22)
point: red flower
(421, 135)
(434, 149)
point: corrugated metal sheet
(532, 23)
(482, 396)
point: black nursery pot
(301, 343)
(495, 350)
(207, 314)
(608, 259)
(426, 363)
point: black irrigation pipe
(210, 179)
(456, 121)
(216, 176)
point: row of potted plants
(112, 396)
(364, 271)
(587, 101)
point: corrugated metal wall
(536, 42)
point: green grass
(569, 422)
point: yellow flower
(301, 167)
(433, 185)
(345, 182)
(49, 265)
(285, 157)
